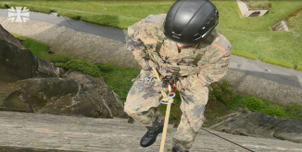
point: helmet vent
(197, 36)
(175, 33)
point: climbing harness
(171, 94)
(167, 99)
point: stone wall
(264, 89)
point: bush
(221, 91)
(238, 101)
(254, 104)
(4, 6)
(275, 111)
(82, 66)
(72, 16)
(294, 110)
(278, 63)
(299, 67)
(246, 55)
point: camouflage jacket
(215, 51)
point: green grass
(41, 50)
(245, 54)
(247, 35)
(35, 47)
(299, 67)
(277, 62)
(118, 78)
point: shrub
(278, 63)
(221, 91)
(238, 101)
(275, 111)
(3, 6)
(294, 110)
(254, 104)
(82, 66)
(72, 16)
(246, 55)
(299, 67)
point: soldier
(184, 47)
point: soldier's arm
(214, 64)
(137, 47)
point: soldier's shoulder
(148, 25)
(221, 42)
(152, 22)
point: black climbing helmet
(190, 21)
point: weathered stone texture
(15, 59)
(258, 124)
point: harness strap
(160, 39)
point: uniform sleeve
(214, 64)
(136, 46)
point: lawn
(248, 35)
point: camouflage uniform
(143, 97)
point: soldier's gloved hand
(165, 69)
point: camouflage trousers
(143, 98)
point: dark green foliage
(275, 110)
(221, 91)
(294, 110)
(118, 78)
(3, 6)
(238, 101)
(254, 104)
(82, 66)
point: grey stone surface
(258, 124)
(45, 131)
(15, 59)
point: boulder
(110, 98)
(30, 84)
(48, 69)
(257, 124)
(16, 62)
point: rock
(86, 103)
(48, 69)
(260, 125)
(17, 61)
(110, 98)
(64, 96)
(31, 84)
